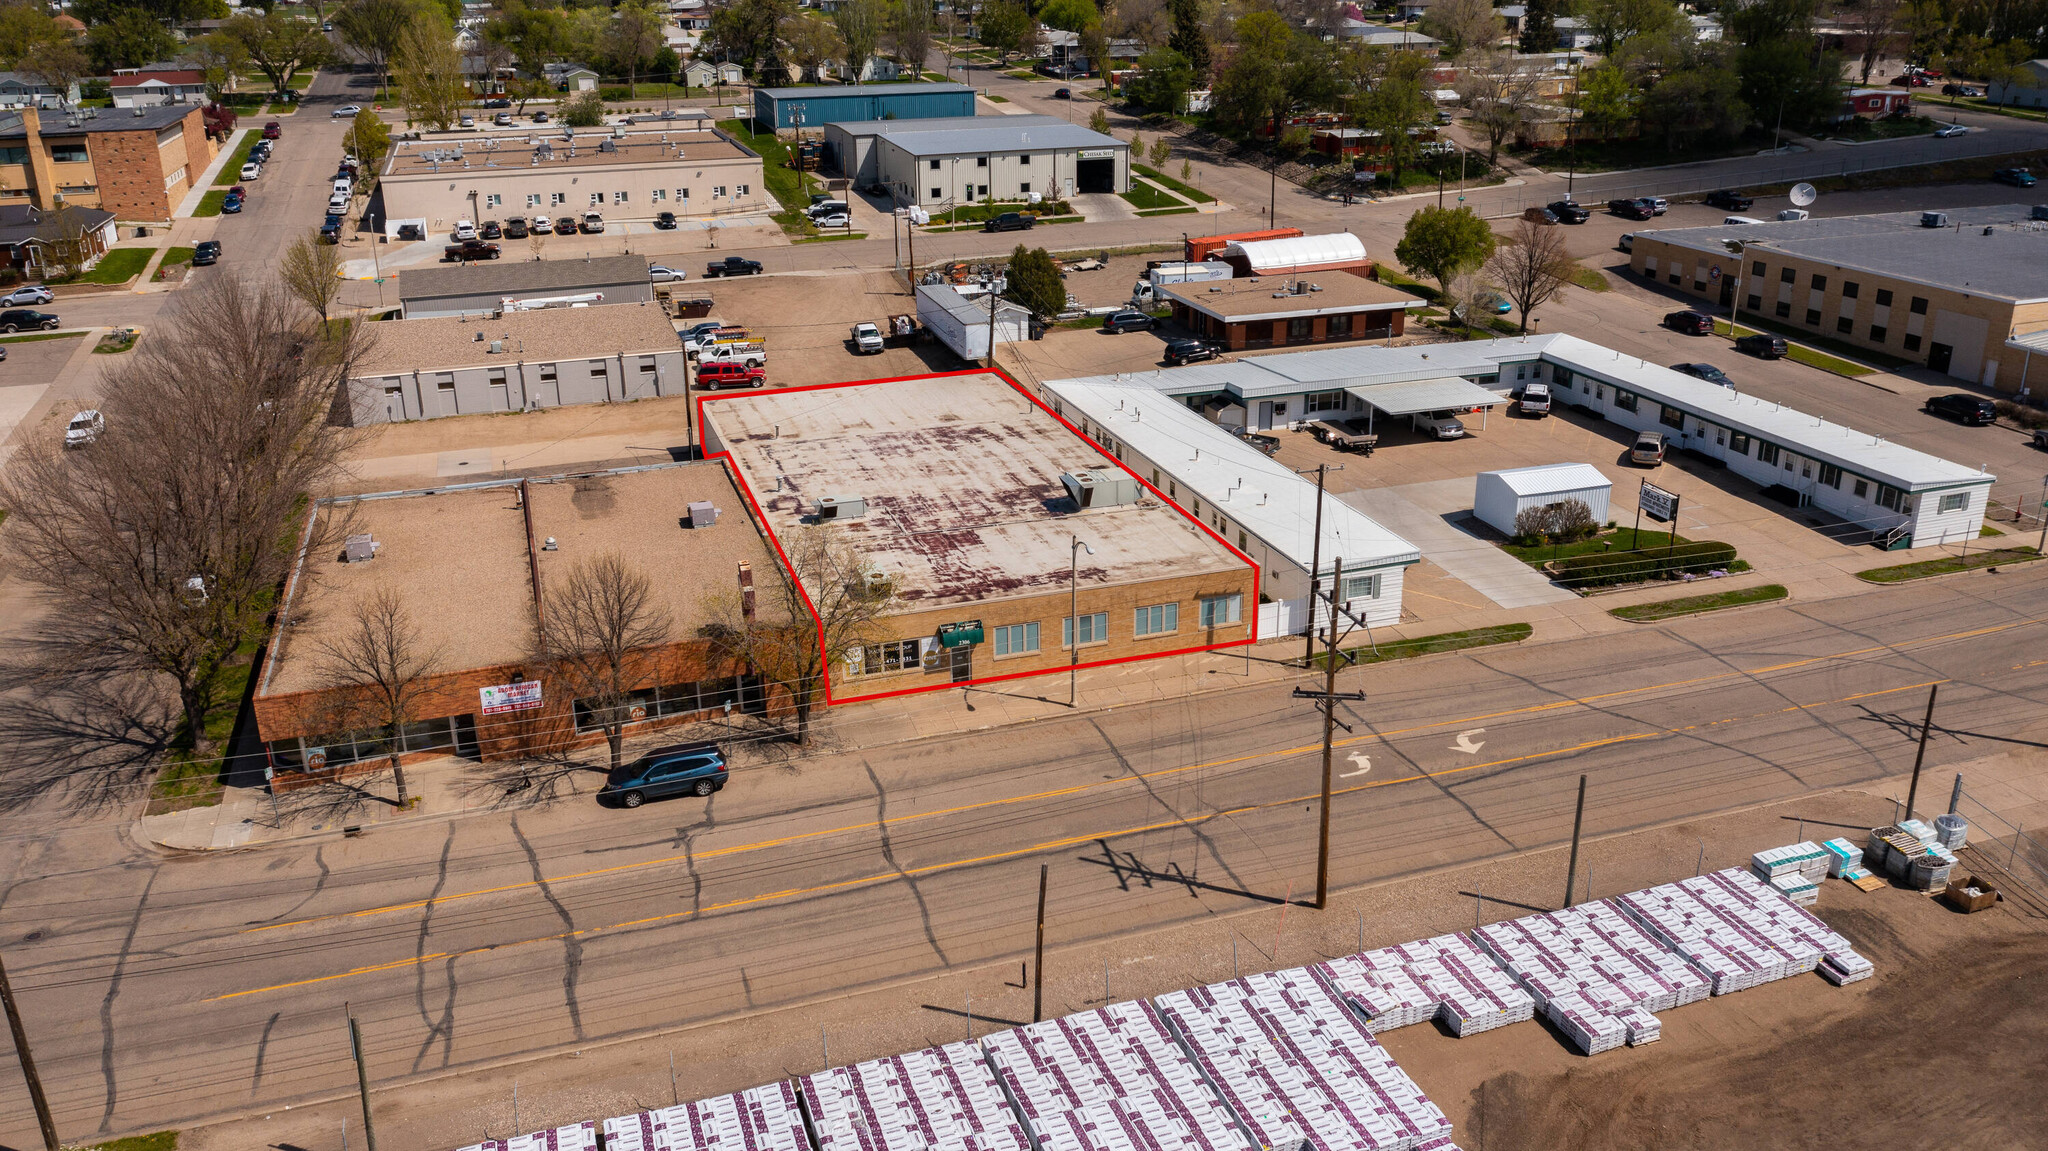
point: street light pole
(1074, 617)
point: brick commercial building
(1950, 289)
(520, 361)
(967, 496)
(1274, 313)
(470, 565)
(137, 164)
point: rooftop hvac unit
(1100, 488)
(702, 514)
(1934, 219)
(359, 548)
(841, 507)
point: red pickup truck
(731, 374)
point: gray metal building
(784, 108)
(481, 288)
(937, 163)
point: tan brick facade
(136, 170)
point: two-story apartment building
(136, 163)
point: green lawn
(1431, 644)
(830, 237)
(1143, 195)
(1622, 540)
(231, 172)
(1195, 194)
(1183, 210)
(159, 1141)
(1693, 604)
(1020, 74)
(117, 267)
(1589, 279)
(1811, 357)
(34, 336)
(174, 256)
(995, 99)
(1948, 564)
(209, 204)
(186, 780)
(782, 180)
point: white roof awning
(1406, 399)
(2030, 342)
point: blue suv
(680, 769)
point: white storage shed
(1499, 497)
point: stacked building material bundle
(1842, 856)
(1443, 1144)
(573, 1137)
(1797, 888)
(761, 1118)
(939, 1099)
(1592, 963)
(1445, 978)
(1952, 830)
(1839, 962)
(1111, 1079)
(1806, 858)
(1723, 937)
(1296, 1065)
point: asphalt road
(160, 990)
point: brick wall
(130, 175)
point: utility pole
(1578, 822)
(28, 1063)
(1315, 560)
(1074, 618)
(1038, 954)
(355, 1046)
(1913, 792)
(1327, 700)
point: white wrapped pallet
(1797, 888)
(1838, 956)
(1598, 963)
(1733, 948)
(572, 1137)
(1805, 858)
(1842, 856)
(1447, 978)
(939, 1099)
(763, 1118)
(1953, 831)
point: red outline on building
(789, 570)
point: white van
(1741, 220)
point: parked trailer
(1146, 290)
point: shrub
(1605, 569)
(2025, 415)
(1566, 521)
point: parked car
(1732, 201)
(1568, 212)
(490, 230)
(331, 233)
(679, 769)
(205, 252)
(1690, 323)
(866, 339)
(1707, 372)
(542, 226)
(273, 130)
(261, 152)
(1762, 345)
(515, 227)
(1960, 90)
(663, 274)
(28, 294)
(502, 119)
(593, 223)
(471, 250)
(1910, 80)
(836, 220)
(252, 172)
(731, 374)
(2017, 177)
(2041, 438)
(1443, 425)
(732, 266)
(1062, 93)
(666, 221)
(1648, 450)
(347, 110)
(1010, 222)
(467, 121)
(17, 319)
(1539, 215)
(1533, 399)
(1631, 209)
(464, 230)
(541, 117)
(498, 102)
(826, 207)
(1658, 204)
(1627, 242)
(1975, 411)
(1126, 321)
(565, 225)
(231, 204)
(1180, 352)
(84, 428)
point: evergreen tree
(1189, 38)
(1035, 283)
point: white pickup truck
(866, 339)
(752, 353)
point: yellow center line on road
(1140, 777)
(1049, 845)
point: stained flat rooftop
(961, 476)
(459, 558)
(510, 154)
(1273, 297)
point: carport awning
(1406, 399)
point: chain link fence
(2003, 841)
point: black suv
(1126, 322)
(1762, 345)
(1631, 209)
(1010, 222)
(206, 252)
(1690, 323)
(1972, 410)
(732, 266)
(1568, 212)
(666, 221)
(16, 320)
(1180, 352)
(1732, 201)
(515, 227)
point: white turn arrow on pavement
(1363, 761)
(1467, 744)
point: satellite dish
(1803, 195)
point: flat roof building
(1949, 289)
(780, 109)
(475, 288)
(972, 158)
(624, 173)
(469, 565)
(136, 163)
(1276, 312)
(966, 496)
(520, 361)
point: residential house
(878, 69)
(568, 76)
(2031, 93)
(18, 89)
(1412, 9)
(30, 238)
(147, 88)
(706, 73)
(1874, 103)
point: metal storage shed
(1284, 257)
(1498, 497)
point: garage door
(1095, 175)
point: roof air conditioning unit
(702, 514)
(497, 347)
(359, 548)
(1934, 219)
(1100, 488)
(841, 507)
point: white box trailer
(963, 324)
(1146, 290)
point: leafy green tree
(1462, 24)
(1035, 283)
(1395, 109)
(584, 110)
(1614, 21)
(1190, 36)
(910, 32)
(1005, 25)
(280, 45)
(130, 40)
(1069, 15)
(1699, 100)
(861, 24)
(810, 43)
(165, 12)
(1099, 122)
(1163, 81)
(1606, 100)
(633, 39)
(373, 29)
(1791, 78)
(1442, 243)
(746, 32)
(369, 137)
(430, 71)
(219, 58)
(43, 50)
(1252, 89)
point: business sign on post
(504, 697)
(1657, 503)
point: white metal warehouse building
(1498, 497)
(967, 159)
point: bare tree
(1497, 94)
(1531, 266)
(633, 39)
(162, 545)
(1462, 25)
(861, 24)
(1874, 30)
(910, 33)
(597, 635)
(379, 666)
(311, 271)
(784, 642)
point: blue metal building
(817, 107)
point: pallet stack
(572, 1137)
(1723, 937)
(1588, 966)
(1839, 962)
(939, 1099)
(761, 1118)
(1298, 1067)
(1806, 859)
(1446, 978)
(1111, 1079)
